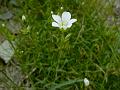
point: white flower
(23, 17)
(64, 21)
(86, 82)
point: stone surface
(6, 15)
(117, 7)
(14, 2)
(10, 77)
(13, 26)
(6, 51)
(117, 3)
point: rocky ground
(10, 72)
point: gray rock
(11, 78)
(6, 51)
(6, 16)
(117, 3)
(13, 26)
(117, 7)
(14, 2)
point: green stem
(65, 83)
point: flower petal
(69, 24)
(72, 20)
(66, 16)
(54, 24)
(56, 18)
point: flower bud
(86, 82)
(23, 17)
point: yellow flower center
(63, 23)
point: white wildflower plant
(86, 82)
(64, 21)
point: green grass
(51, 62)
